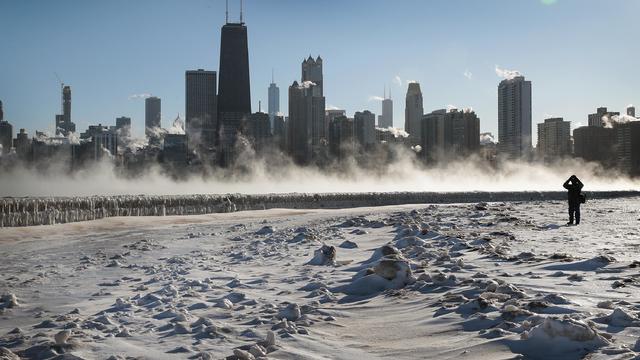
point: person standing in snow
(574, 186)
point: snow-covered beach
(483, 280)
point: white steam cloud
(375, 98)
(395, 132)
(507, 74)
(486, 139)
(404, 173)
(609, 121)
(139, 96)
(468, 74)
(397, 80)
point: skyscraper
(64, 126)
(514, 117)
(299, 128)
(201, 108)
(152, 118)
(259, 130)
(386, 119)
(341, 142)
(631, 110)
(598, 118)
(234, 96)
(628, 147)
(364, 128)
(6, 136)
(312, 71)
(274, 101)
(1, 111)
(123, 126)
(413, 113)
(595, 143)
(448, 134)
(554, 139)
(308, 129)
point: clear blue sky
(579, 54)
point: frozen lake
(407, 281)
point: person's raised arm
(579, 183)
(566, 184)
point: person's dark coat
(574, 188)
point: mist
(275, 173)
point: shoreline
(34, 211)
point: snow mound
(620, 318)
(391, 272)
(560, 338)
(586, 265)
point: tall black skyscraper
(201, 108)
(1, 111)
(234, 96)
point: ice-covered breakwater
(59, 210)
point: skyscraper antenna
(272, 76)
(385, 91)
(226, 12)
(241, 22)
(259, 105)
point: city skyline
(348, 83)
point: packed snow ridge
(59, 210)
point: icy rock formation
(8, 301)
(291, 312)
(58, 210)
(6, 354)
(326, 255)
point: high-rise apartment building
(364, 128)
(601, 116)
(514, 117)
(201, 116)
(448, 134)
(554, 139)
(152, 118)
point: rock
(124, 332)
(392, 268)
(271, 339)
(6, 354)
(326, 255)
(243, 355)
(181, 329)
(225, 304)
(291, 312)
(266, 230)
(62, 337)
(9, 301)
(348, 244)
(258, 351)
